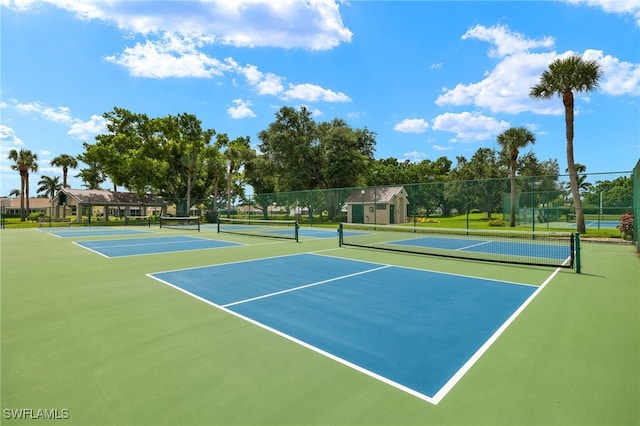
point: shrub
(427, 220)
(497, 222)
(626, 226)
(33, 217)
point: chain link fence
(535, 202)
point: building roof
(34, 203)
(377, 195)
(110, 198)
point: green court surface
(94, 341)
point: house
(382, 206)
(121, 204)
(11, 206)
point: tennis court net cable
(287, 229)
(555, 249)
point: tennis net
(137, 221)
(555, 249)
(181, 222)
(287, 229)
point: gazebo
(113, 203)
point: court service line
(264, 296)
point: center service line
(305, 286)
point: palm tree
(512, 141)
(25, 161)
(49, 186)
(565, 76)
(583, 185)
(65, 161)
(14, 193)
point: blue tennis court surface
(96, 231)
(416, 330)
(529, 249)
(152, 245)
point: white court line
(476, 356)
(92, 250)
(474, 245)
(443, 390)
(151, 243)
(264, 296)
(306, 345)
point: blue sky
(431, 78)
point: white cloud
(88, 129)
(505, 42)
(313, 24)
(266, 84)
(411, 125)
(469, 126)
(78, 129)
(619, 77)
(415, 156)
(313, 93)
(241, 110)
(506, 87)
(173, 55)
(355, 114)
(622, 7)
(441, 148)
(8, 138)
(59, 114)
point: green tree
(49, 186)
(617, 193)
(65, 161)
(237, 153)
(563, 78)
(512, 141)
(215, 172)
(291, 144)
(122, 154)
(93, 176)
(182, 164)
(474, 183)
(260, 175)
(387, 171)
(24, 162)
(346, 154)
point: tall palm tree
(565, 76)
(49, 186)
(583, 185)
(25, 161)
(65, 161)
(512, 141)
